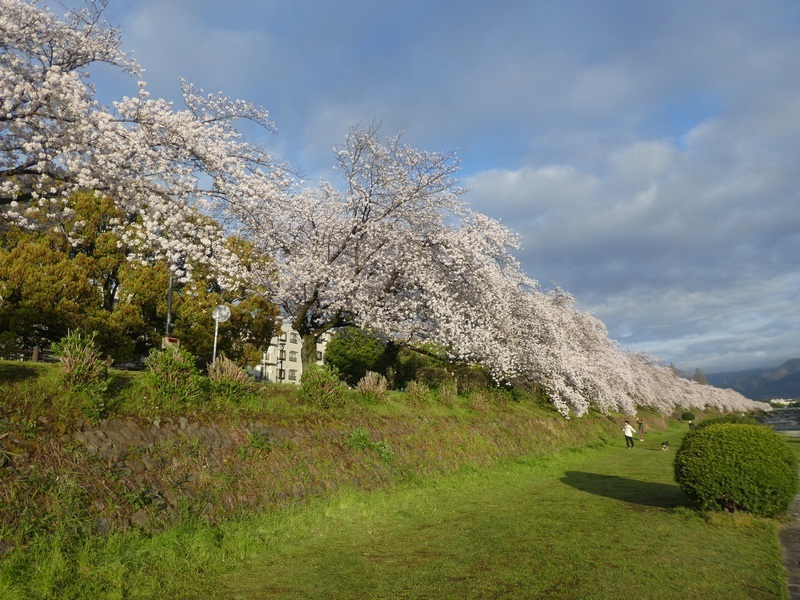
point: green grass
(600, 523)
(595, 523)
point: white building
(281, 362)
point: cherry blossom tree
(394, 249)
(162, 166)
(569, 353)
(397, 251)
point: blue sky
(647, 151)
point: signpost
(221, 313)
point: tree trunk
(390, 363)
(308, 351)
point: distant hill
(762, 384)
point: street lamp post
(221, 313)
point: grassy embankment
(469, 507)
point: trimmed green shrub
(173, 374)
(687, 416)
(320, 385)
(737, 466)
(354, 352)
(727, 419)
(471, 379)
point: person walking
(640, 425)
(628, 431)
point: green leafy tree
(80, 276)
(241, 338)
(44, 292)
(73, 277)
(354, 352)
(698, 377)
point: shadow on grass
(627, 490)
(17, 371)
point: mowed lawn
(602, 523)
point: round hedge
(737, 466)
(726, 419)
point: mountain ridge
(762, 384)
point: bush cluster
(320, 385)
(737, 467)
(434, 376)
(373, 388)
(173, 374)
(83, 372)
(228, 380)
(359, 439)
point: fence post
(35, 356)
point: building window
(281, 374)
(293, 338)
(292, 374)
(292, 356)
(319, 356)
(282, 354)
(282, 337)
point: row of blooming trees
(393, 248)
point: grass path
(602, 523)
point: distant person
(628, 431)
(640, 425)
(691, 425)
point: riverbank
(783, 420)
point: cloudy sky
(648, 152)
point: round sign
(221, 313)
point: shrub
(84, 372)
(229, 380)
(354, 352)
(373, 388)
(82, 368)
(434, 377)
(321, 386)
(727, 419)
(359, 439)
(448, 394)
(471, 379)
(737, 466)
(417, 393)
(173, 374)
(687, 416)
